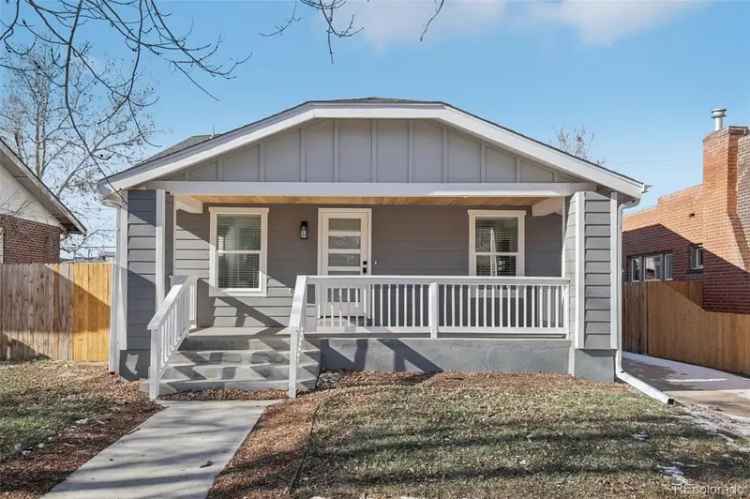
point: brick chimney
(726, 219)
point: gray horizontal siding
(597, 272)
(141, 266)
(407, 240)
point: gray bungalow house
(375, 234)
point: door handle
(364, 266)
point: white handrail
(297, 331)
(169, 326)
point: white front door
(344, 249)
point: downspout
(620, 373)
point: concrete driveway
(690, 384)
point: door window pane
(344, 242)
(238, 232)
(239, 270)
(354, 224)
(343, 259)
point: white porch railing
(426, 304)
(169, 326)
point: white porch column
(616, 268)
(118, 337)
(580, 270)
(160, 226)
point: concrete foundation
(427, 356)
(596, 365)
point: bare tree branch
(577, 142)
(439, 4)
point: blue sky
(642, 76)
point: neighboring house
(702, 232)
(393, 234)
(32, 219)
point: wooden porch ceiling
(373, 200)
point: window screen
(496, 246)
(238, 248)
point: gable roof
(191, 152)
(10, 161)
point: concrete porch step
(240, 342)
(218, 372)
(217, 359)
(176, 386)
(242, 357)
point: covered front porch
(479, 286)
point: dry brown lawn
(55, 416)
(452, 435)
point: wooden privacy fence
(666, 319)
(59, 311)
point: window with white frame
(496, 242)
(653, 268)
(696, 257)
(667, 266)
(238, 250)
(2, 245)
(635, 268)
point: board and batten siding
(362, 150)
(141, 266)
(597, 272)
(407, 240)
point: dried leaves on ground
(55, 416)
(480, 435)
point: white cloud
(393, 21)
(605, 21)
(388, 22)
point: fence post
(433, 314)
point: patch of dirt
(268, 461)
(109, 408)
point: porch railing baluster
(430, 305)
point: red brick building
(32, 218)
(702, 232)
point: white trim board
(160, 246)
(183, 188)
(492, 133)
(262, 261)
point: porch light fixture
(303, 232)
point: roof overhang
(23, 174)
(306, 112)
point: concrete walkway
(176, 453)
(690, 384)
